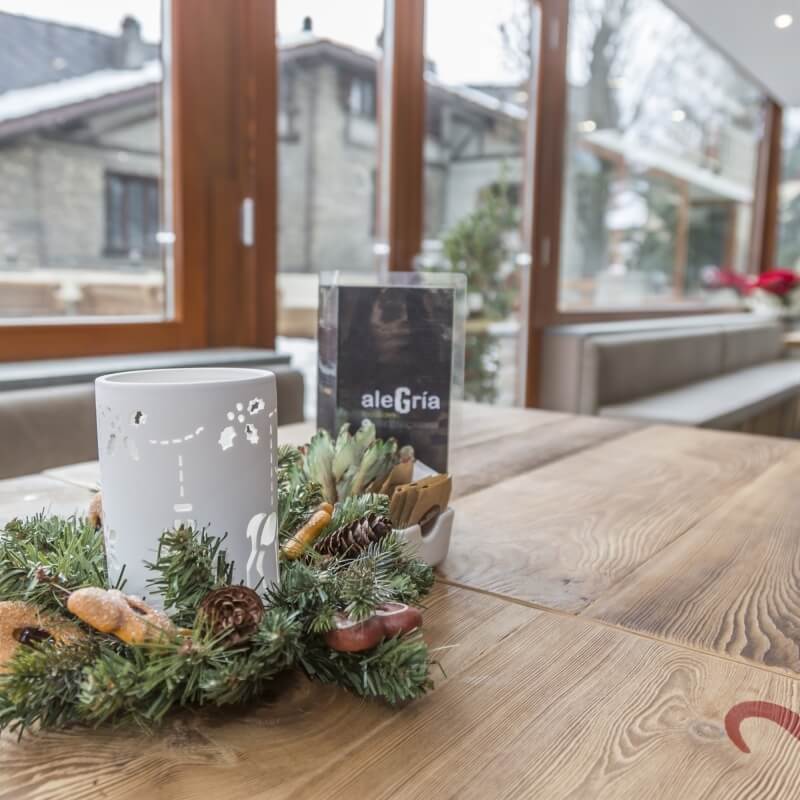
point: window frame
(548, 170)
(225, 294)
(405, 119)
(363, 89)
(221, 296)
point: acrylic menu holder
(391, 350)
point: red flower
(725, 278)
(777, 281)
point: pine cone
(237, 610)
(349, 540)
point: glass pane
(476, 118)
(115, 219)
(81, 160)
(660, 160)
(135, 219)
(789, 193)
(327, 157)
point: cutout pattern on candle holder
(177, 444)
(237, 417)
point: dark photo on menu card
(386, 354)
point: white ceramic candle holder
(189, 447)
(431, 545)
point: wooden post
(763, 249)
(404, 91)
(546, 148)
(262, 171)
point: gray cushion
(291, 394)
(721, 402)
(52, 426)
(627, 366)
(751, 345)
(43, 428)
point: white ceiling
(745, 30)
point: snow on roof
(20, 103)
(293, 41)
(476, 97)
(286, 40)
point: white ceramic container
(431, 546)
(189, 447)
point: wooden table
(611, 592)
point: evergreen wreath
(90, 677)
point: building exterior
(81, 162)
(328, 154)
(79, 146)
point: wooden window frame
(223, 68)
(405, 95)
(764, 236)
(404, 92)
(548, 164)
(551, 120)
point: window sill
(58, 372)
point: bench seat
(47, 409)
(723, 402)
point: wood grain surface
(562, 535)
(31, 494)
(729, 584)
(491, 444)
(679, 547)
(535, 705)
(85, 474)
(485, 461)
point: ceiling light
(587, 126)
(678, 115)
(783, 21)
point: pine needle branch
(42, 686)
(189, 564)
(355, 508)
(102, 680)
(296, 502)
(144, 684)
(43, 558)
(397, 670)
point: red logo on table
(788, 720)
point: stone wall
(344, 223)
(52, 202)
(20, 222)
(52, 191)
(327, 160)
(325, 180)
